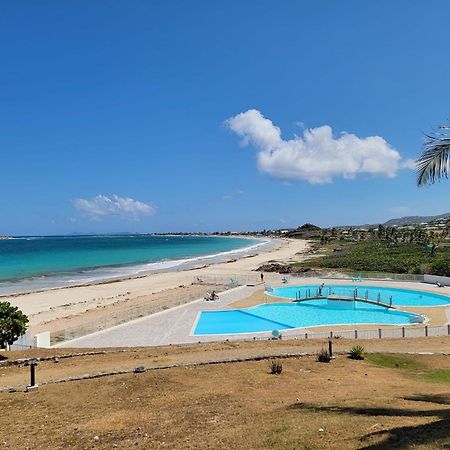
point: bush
(276, 367)
(323, 356)
(382, 256)
(13, 323)
(356, 352)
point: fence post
(426, 330)
(330, 347)
(306, 335)
(379, 333)
(448, 329)
(32, 386)
(356, 334)
(331, 335)
(403, 332)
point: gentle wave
(112, 273)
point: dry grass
(357, 404)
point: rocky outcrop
(281, 268)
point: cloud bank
(317, 156)
(102, 206)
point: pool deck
(175, 326)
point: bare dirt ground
(345, 404)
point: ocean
(34, 263)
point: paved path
(173, 326)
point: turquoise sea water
(70, 259)
(282, 316)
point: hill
(412, 220)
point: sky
(201, 116)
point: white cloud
(317, 156)
(409, 164)
(102, 206)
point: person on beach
(262, 277)
(214, 296)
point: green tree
(433, 164)
(13, 323)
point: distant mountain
(412, 220)
(401, 221)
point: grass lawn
(386, 401)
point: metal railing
(405, 332)
(377, 333)
(336, 293)
(272, 277)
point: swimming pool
(400, 297)
(282, 316)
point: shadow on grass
(436, 432)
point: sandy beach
(56, 309)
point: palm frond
(433, 164)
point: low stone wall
(435, 279)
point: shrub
(13, 323)
(276, 367)
(356, 352)
(323, 356)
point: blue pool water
(282, 316)
(400, 297)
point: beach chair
(234, 282)
(276, 334)
(357, 277)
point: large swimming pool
(400, 297)
(282, 316)
(320, 312)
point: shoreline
(138, 270)
(67, 307)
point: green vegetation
(382, 256)
(356, 352)
(411, 367)
(433, 164)
(13, 323)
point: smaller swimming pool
(282, 316)
(400, 297)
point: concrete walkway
(174, 326)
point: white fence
(272, 277)
(376, 333)
(27, 341)
(434, 279)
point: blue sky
(113, 114)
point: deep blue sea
(30, 263)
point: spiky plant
(433, 164)
(356, 352)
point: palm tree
(433, 164)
